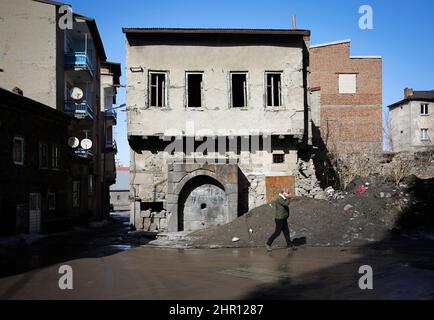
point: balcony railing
(80, 110)
(111, 146)
(80, 152)
(79, 61)
(111, 113)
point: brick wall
(349, 122)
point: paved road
(310, 273)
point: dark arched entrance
(202, 203)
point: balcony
(111, 113)
(111, 146)
(79, 110)
(79, 61)
(80, 152)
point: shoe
(269, 248)
(292, 249)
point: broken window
(157, 90)
(278, 158)
(274, 88)
(239, 90)
(194, 90)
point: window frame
(166, 89)
(278, 154)
(76, 190)
(51, 204)
(246, 89)
(424, 134)
(55, 157)
(202, 96)
(281, 104)
(45, 144)
(22, 140)
(355, 83)
(424, 109)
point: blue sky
(403, 32)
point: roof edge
(301, 32)
(325, 44)
(366, 57)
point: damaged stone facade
(268, 121)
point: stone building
(411, 122)
(65, 69)
(218, 121)
(120, 191)
(349, 91)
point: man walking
(282, 215)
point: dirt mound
(368, 211)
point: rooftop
(423, 95)
(299, 32)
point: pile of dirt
(368, 211)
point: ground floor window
(51, 199)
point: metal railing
(79, 60)
(80, 110)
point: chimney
(408, 93)
(18, 91)
(294, 22)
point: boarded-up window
(347, 83)
(274, 185)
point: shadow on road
(107, 240)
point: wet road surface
(153, 273)
(107, 266)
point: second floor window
(18, 151)
(43, 155)
(194, 89)
(239, 89)
(274, 89)
(55, 157)
(157, 89)
(424, 109)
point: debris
(361, 190)
(348, 207)
(235, 239)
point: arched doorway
(202, 203)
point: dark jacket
(282, 209)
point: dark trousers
(281, 226)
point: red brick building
(350, 88)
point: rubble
(345, 217)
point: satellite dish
(86, 144)
(77, 94)
(73, 142)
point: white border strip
(366, 57)
(330, 43)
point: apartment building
(201, 88)
(411, 122)
(67, 70)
